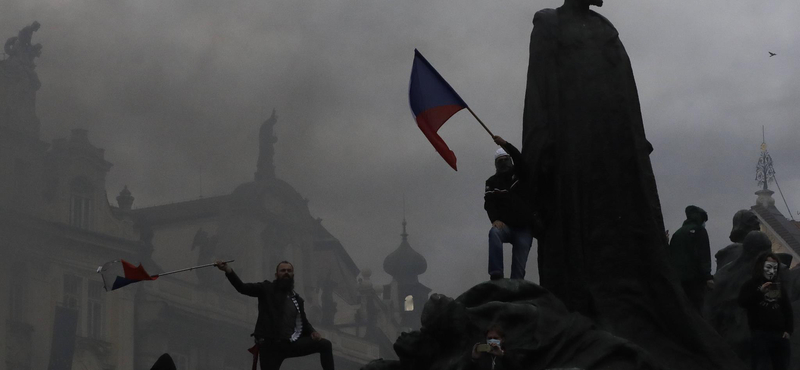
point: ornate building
(57, 226)
(784, 233)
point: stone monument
(604, 248)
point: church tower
(405, 293)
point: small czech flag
(117, 274)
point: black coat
(691, 252)
(505, 198)
(270, 307)
(771, 311)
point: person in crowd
(490, 355)
(769, 314)
(282, 329)
(508, 209)
(691, 256)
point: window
(409, 303)
(79, 214)
(80, 207)
(72, 291)
(94, 310)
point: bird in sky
(771, 54)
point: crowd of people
(762, 295)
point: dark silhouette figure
(164, 363)
(769, 314)
(691, 256)
(744, 221)
(604, 247)
(506, 204)
(722, 309)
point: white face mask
(770, 270)
(493, 341)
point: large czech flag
(433, 102)
(119, 273)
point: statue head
(744, 221)
(35, 25)
(755, 243)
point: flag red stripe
(430, 121)
(136, 272)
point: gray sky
(171, 89)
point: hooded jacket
(690, 249)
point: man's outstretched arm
(250, 289)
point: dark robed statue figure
(603, 250)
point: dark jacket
(771, 311)
(506, 198)
(690, 249)
(485, 363)
(270, 307)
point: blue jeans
(520, 239)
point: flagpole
(190, 268)
(481, 122)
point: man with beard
(282, 329)
(506, 205)
(603, 248)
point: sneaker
(496, 276)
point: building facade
(57, 225)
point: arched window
(409, 303)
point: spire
(266, 149)
(405, 264)
(765, 172)
(404, 234)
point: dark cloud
(175, 93)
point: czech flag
(117, 274)
(433, 102)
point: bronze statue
(744, 221)
(266, 149)
(20, 46)
(604, 248)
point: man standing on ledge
(507, 207)
(282, 330)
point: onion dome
(404, 261)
